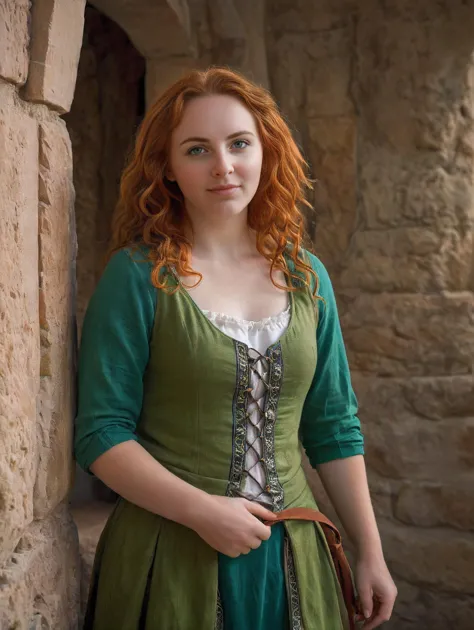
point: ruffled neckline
(274, 321)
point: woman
(211, 344)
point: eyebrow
(232, 135)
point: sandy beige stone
(409, 260)
(418, 608)
(437, 558)
(444, 397)
(255, 62)
(161, 73)
(57, 254)
(158, 30)
(418, 449)
(415, 335)
(333, 157)
(328, 89)
(19, 330)
(436, 505)
(39, 583)
(14, 39)
(90, 519)
(302, 15)
(55, 47)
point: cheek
(251, 168)
(189, 178)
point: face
(216, 156)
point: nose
(222, 165)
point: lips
(223, 188)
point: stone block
(414, 109)
(426, 609)
(289, 78)
(301, 16)
(162, 72)
(436, 398)
(417, 449)
(333, 162)
(39, 582)
(90, 519)
(329, 61)
(56, 41)
(409, 335)
(157, 29)
(409, 259)
(440, 559)
(14, 40)
(437, 505)
(395, 191)
(329, 86)
(253, 16)
(57, 253)
(19, 327)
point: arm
(345, 481)
(113, 357)
(331, 436)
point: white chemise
(258, 336)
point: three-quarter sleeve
(330, 428)
(113, 357)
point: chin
(231, 210)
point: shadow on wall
(107, 108)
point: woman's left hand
(376, 589)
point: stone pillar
(381, 95)
(406, 282)
(161, 72)
(39, 561)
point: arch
(157, 28)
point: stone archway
(107, 108)
(109, 102)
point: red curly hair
(151, 210)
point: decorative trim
(219, 614)
(239, 417)
(296, 619)
(274, 488)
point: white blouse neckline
(274, 321)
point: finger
(255, 544)
(366, 601)
(382, 614)
(258, 510)
(263, 531)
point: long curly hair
(151, 210)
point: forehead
(214, 117)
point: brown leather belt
(333, 538)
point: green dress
(153, 368)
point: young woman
(210, 347)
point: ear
(169, 176)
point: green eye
(241, 142)
(193, 151)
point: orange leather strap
(334, 541)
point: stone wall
(39, 562)
(382, 97)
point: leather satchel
(341, 565)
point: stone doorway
(108, 106)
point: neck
(227, 239)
